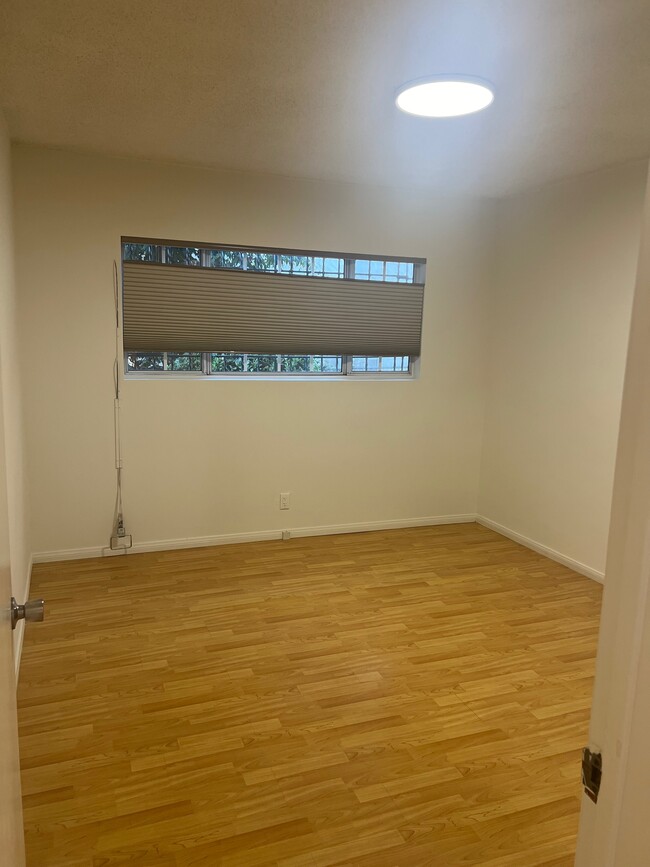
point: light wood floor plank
(390, 699)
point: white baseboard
(576, 565)
(260, 536)
(323, 530)
(67, 554)
(205, 541)
(20, 627)
(369, 526)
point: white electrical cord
(116, 301)
(118, 517)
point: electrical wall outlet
(119, 542)
(284, 500)
(286, 535)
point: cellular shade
(177, 308)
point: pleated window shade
(199, 308)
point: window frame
(206, 371)
(349, 259)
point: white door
(12, 853)
(615, 831)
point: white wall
(615, 831)
(564, 273)
(12, 472)
(525, 331)
(211, 457)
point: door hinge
(592, 772)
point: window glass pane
(295, 363)
(361, 269)
(327, 364)
(311, 266)
(140, 252)
(183, 361)
(384, 364)
(182, 256)
(334, 268)
(392, 270)
(389, 272)
(260, 261)
(267, 261)
(145, 361)
(331, 266)
(262, 363)
(225, 259)
(227, 362)
(301, 265)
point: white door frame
(615, 832)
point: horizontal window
(260, 364)
(357, 314)
(330, 266)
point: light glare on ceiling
(444, 96)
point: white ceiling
(305, 87)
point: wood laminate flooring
(388, 699)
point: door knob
(34, 611)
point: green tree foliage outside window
(140, 252)
(183, 256)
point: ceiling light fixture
(444, 96)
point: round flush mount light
(444, 96)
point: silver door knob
(34, 611)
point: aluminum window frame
(349, 260)
(206, 372)
(348, 272)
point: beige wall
(564, 273)
(12, 473)
(525, 332)
(209, 457)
